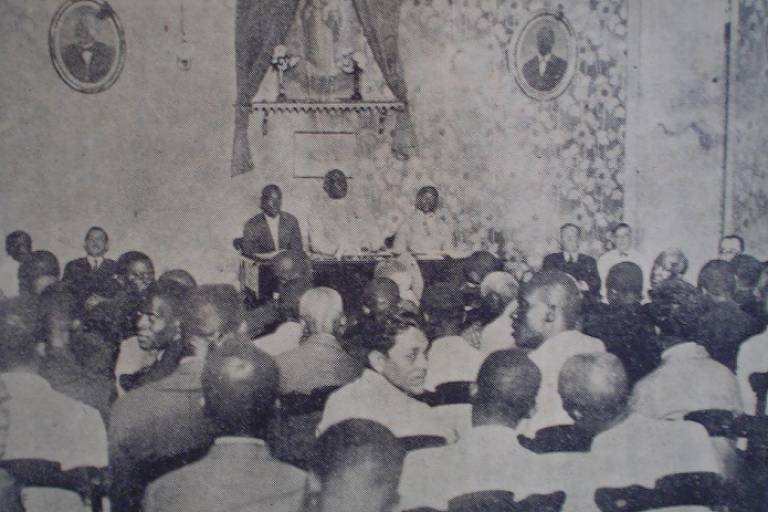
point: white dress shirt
(340, 225)
(424, 233)
(550, 358)
(614, 257)
(452, 359)
(687, 380)
(274, 229)
(45, 424)
(486, 458)
(640, 450)
(9, 279)
(373, 397)
(285, 338)
(753, 358)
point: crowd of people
(423, 393)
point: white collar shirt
(45, 424)
(94, 262)
(687, 380)
(550, 357)
(424, 233)
(639, 451)
(486, 458)
(285, 338)
(752, 358)
(373, 397)
(274, 229)
(452, 359)
(543, 61)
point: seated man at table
(272, 229)
(583, 268)
(425, 232)
(384, 393)
(337, 226)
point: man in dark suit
(87, 59)
(94, 273)
(545, 71)
(583, 268)
(272, 230)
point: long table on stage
(349, 274)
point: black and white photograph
(87, 45)
(383, 255)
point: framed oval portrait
(87, 45)
(545, 56)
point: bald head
(322, 310)
(381, 295)
(594, 389)
(549, 304)
(498, 289)
(289, 265)
(240, 387)
(358, 463)
(507, 385)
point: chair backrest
(504, 501)
(702, 489)
(560, 438)
(449, 393)
(759, 384)
(718, 422)
(420, 442)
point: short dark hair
(625, 277)
(482, 262)
(180, 277)
(747, 269)
(507, 384)
(223, 297)
(717, 278)
(352, 444)
(17, 237)
(39, 264)
(97, 228)
(388, 327)
(570, 225)
(127, 259)
(676, 308)
(428, 188)
(240, 385)
(269, 188)
(619, 226)
(172, 293)
(55, 301)
(735, 237)
(443, 298)
(559, 289)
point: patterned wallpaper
(749, 135)
(501, 160)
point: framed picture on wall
(87, 45)
(545, 56)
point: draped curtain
(260, 25)
(381, 23)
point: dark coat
(258, 239)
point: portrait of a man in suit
(86, 58)
(545, 70)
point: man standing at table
(425, 232)
(338, 227)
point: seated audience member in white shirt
(17, 246)
(337, 226)
(624, 251)
(499, 294)
(45, 424)
(628, 448)
(385, 392)
(546, 321)
(488, 456)
(358, 464)
(425, 231)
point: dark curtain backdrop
(260, 25)
(381, 23)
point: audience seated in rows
(239, 386)
(546, 322)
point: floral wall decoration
(748, 137)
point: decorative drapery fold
(380, 20)
(260, 25)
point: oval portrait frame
(571, 56)
(105, 12)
